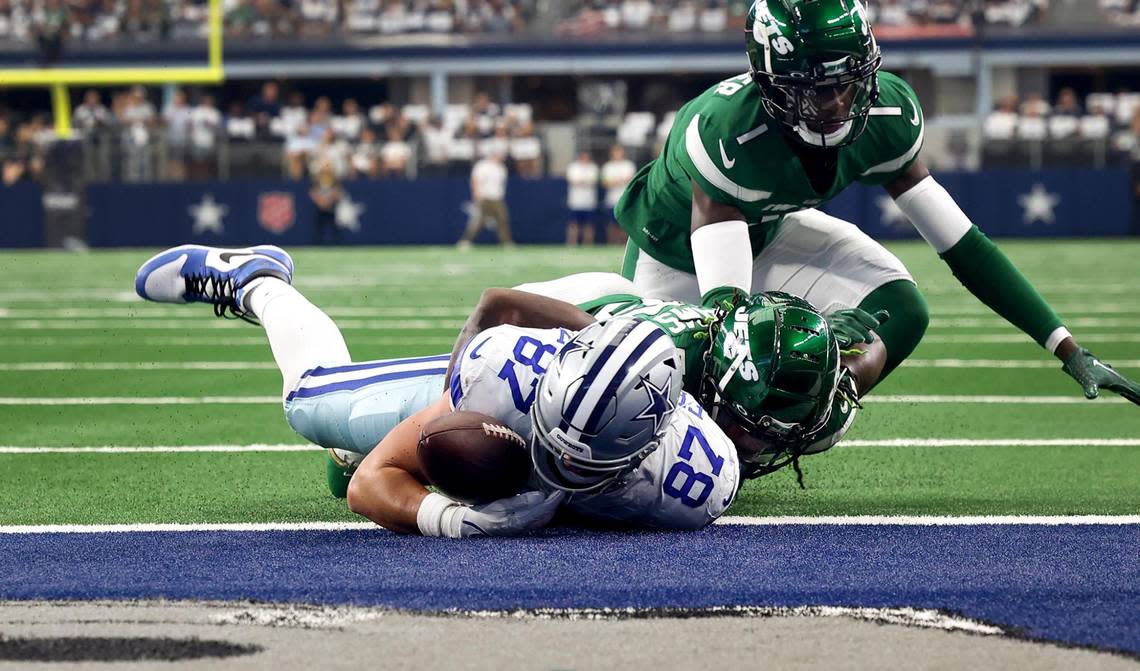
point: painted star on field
(659, 404)
(1039, 205)
(209, 216)
(889, 212)
(348, 214)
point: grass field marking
(230, 341)
(34, 366)
(254, 400)
(204, 324)
(160, 449)
(141, 400)
(1106, 397)
(1021, 338)
(1042, 363)
(1091, 323)
(852, 520)
(306, 447)
(990, 442)
(1066, 309)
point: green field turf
(71, 327)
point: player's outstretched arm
(722, 248)
(519, 308)
(389, 489)
(989, 274)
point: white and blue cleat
(199, 274)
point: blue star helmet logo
(575, 345)
(659, 404)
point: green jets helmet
(816, 63)
(773, 369)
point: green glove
(1093, 375)
(856, 326)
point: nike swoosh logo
(914, 120)
(1108, 368)
(724, 157)
(227, 257)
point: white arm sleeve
(722, 255)
(934, 213)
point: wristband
(435, 514)
(1056, 338)
(722, 256)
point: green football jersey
(688, 326)
(726, 143)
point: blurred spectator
(239, 124)
(395, 154)
(617, 173)
(50, 28)
(205, 134)
(293, 116)
(136, 117)
(1002, 122)
(325, 193)
(265, 107)
(1065, 121)
(489, 196)
(350, 122)
(176, 117)
(436, 141)
(365, 160)
(582, 199)
(299, 148)
(526, 151)
(91, 115)
(331, 152)
(1035, 106)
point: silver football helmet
(603, 404)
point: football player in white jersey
(683, 473)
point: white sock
(300, 335)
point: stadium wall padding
(1004, 203)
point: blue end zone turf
(1077, 585)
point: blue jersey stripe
(590, 429)
(320, 372)
(350, 385)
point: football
(473, 458)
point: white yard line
(26, 366)
(1042, 363)
(990, 442)
(306, 447)
(1020, 338)
(1107, 397)
(141, 400)
(160, 449)
(380, 341)
(167, 324)
(853, 520)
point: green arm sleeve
(989, 274)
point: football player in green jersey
(729, 205)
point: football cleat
(339, 467)
(199, 274)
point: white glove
(440, 516)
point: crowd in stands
(1122, 12)
(945, 12)
(98, 20)
(182, 137)
(1104, 123)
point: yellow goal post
(59, 79)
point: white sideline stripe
(159, 449)
(35, 339)
(260, 448)
(167, 324)
(994, 442)
(254, 400)
(934, 521)
(852, 520)
(1004, 400)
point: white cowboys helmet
(603, 404)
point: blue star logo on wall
(209, 216)
(659, 404)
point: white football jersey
(686, 483)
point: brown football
(473, 457)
